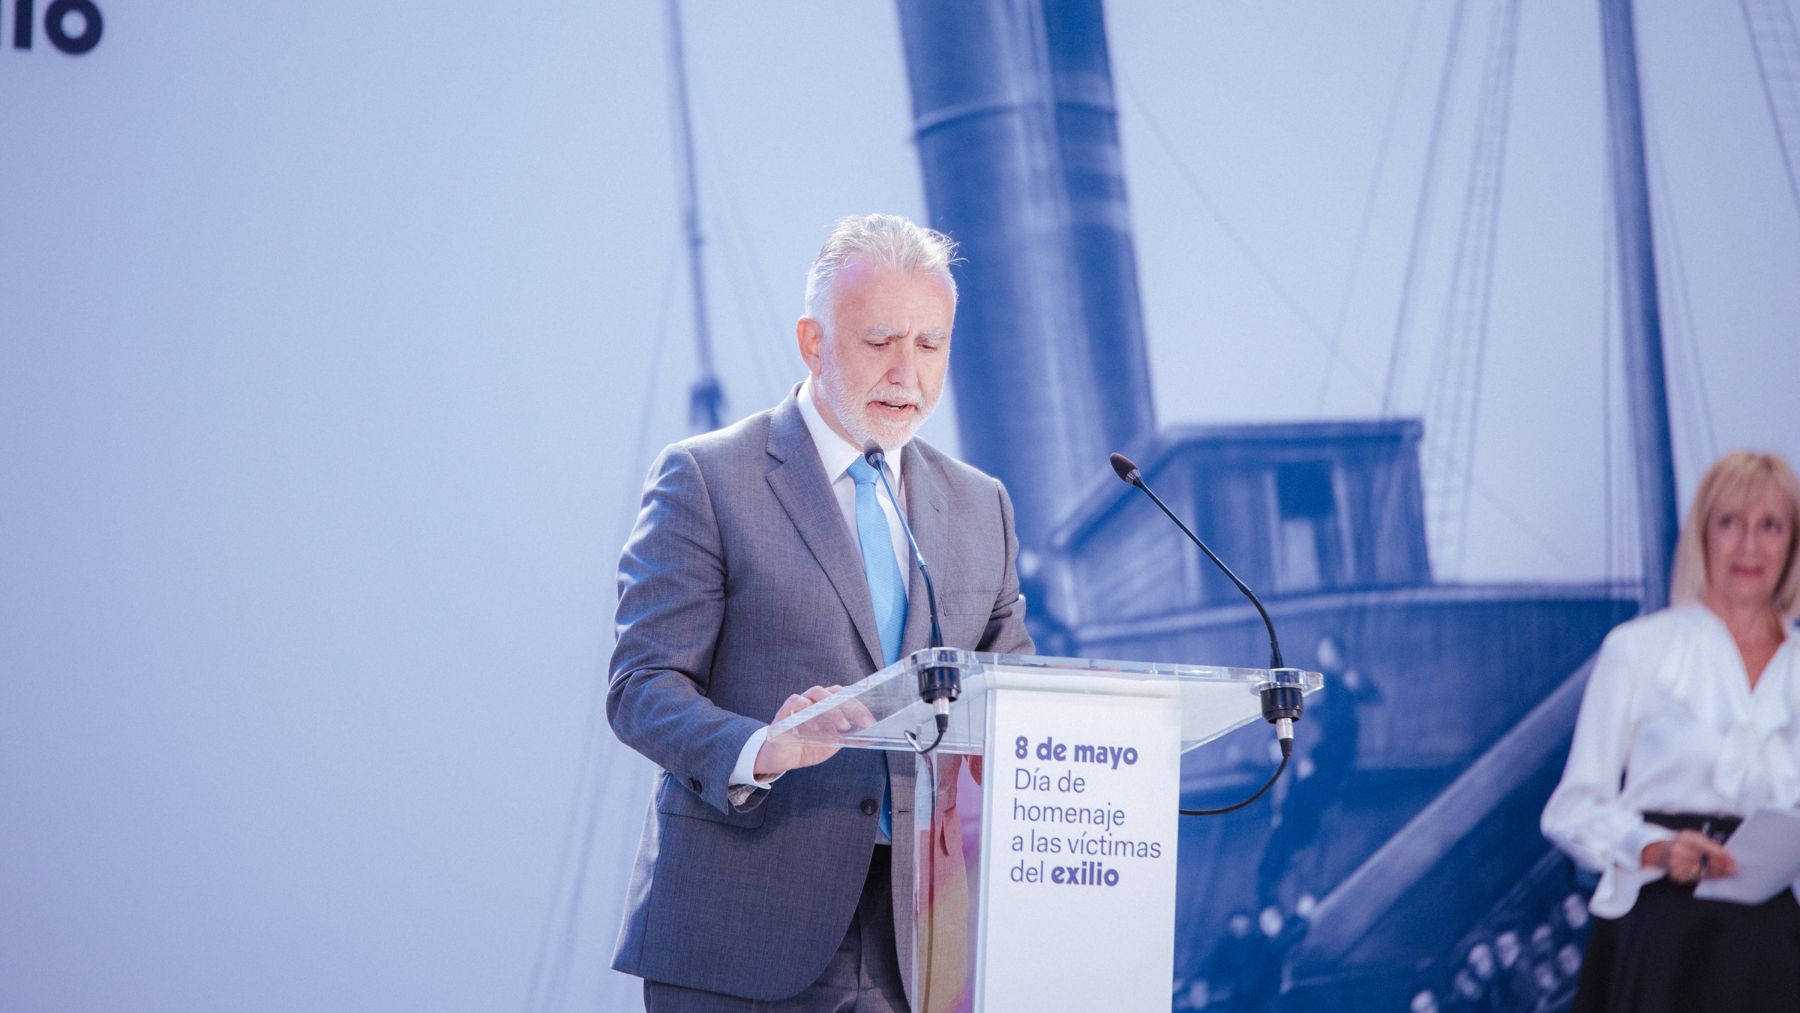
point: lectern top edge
(879, 710)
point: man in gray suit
(767, 566)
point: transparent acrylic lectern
(1057, 889)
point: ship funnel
(1018, 139)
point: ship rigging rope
(1282, 292)
(1376, 176)
(654, 400)
(1415, 257)
(562, 923)
(1609, 324)
(765, 346)
(1699, 436)
(1776, 46)
(1453, 412)
(595, 780)
(1415, 253)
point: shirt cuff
(1632, 854)
(744, 774)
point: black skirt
(1673, 952)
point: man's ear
(811, 337)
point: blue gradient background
(335, 340)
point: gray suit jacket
(740, 585)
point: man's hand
(803, 746)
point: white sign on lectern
(1078, 870)
(1077, 826)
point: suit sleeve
(1006, 633)
(671, 608)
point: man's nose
(902, 366)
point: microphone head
(873, 454)
(1126, 470)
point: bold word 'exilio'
(58, 17)
(1085, 874)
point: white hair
(890, 241)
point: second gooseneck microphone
(1128, 472)
(1281, 703)
(939, 685)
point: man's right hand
(802, 747)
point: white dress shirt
(836, 454)
(1670, 712)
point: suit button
(694, 783)
(868, 807)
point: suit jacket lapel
(925, 505)
(800, 487)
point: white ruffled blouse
(1669, 708)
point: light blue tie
(887, 588)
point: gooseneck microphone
(1128, 472)
(939, 685)
(1280, 694)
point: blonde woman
(1690, 722)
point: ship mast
(1646, 388)
(706, 399)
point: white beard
(852, 411)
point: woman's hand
(1689, 858)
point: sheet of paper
(1767, 849)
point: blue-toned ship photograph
(930, 505)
